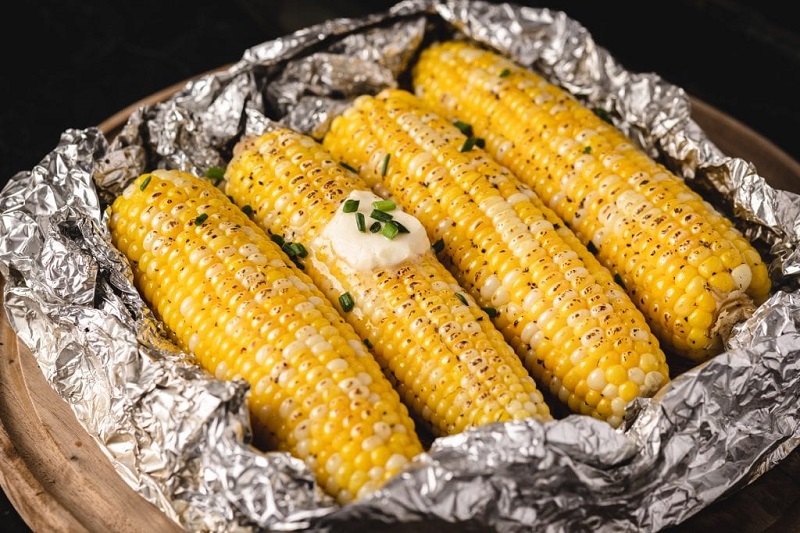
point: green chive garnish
(361, 222)
(465, 128)
(294, 249)
(480, 142)
(348, 167)
(401, 228)
(145, 183)
(247, 210)
(462, 298)
(587, 149)
(438, 246)
(346, 301)
(277, 239)
(602, 113)
(384, 205)
(469, 143)
(215, 173)
(350, 205)
(491, 311)
(200, 219)
(383, 216)
(384, 165)
(390, 230)
(505, 72)
(375, 227)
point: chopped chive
(382, 216)
(401, 228)
(438, 246)
(462, 298)
(468, 144)
(491, 311)
(367, 344)
(294, 249)
(587, 149)
(200, 219)
(247, 210)
(346, 301)
(384, 205)
(465, 128)
(145, 183)
(505, 72)
(390, 230)
(375, 227)
(350, 205)
(361, 222)
(384, 165)
(348, 167)
(277, 239)
(602, 113)
(287, 248)
(301, 250)
(480, 142)
(215, 173)
(300, 265)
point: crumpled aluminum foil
(182, 438)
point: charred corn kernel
(639, 216)
(445, 357)
(234, 300)
(559, 308)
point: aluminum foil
(182, 439)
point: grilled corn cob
(439, 348)
(232, 298)
(575, 329)
(683, 263)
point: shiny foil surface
(182, 438)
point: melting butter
(366, 250)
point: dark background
(72, 64)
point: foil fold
(182, 438)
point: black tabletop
(72, 64)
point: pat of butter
(366, 250)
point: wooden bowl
(58, 479)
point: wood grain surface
(53, 472)
(58, 479)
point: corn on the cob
(573, 326)
(683, 263)
(439, 348)
(232, 298)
